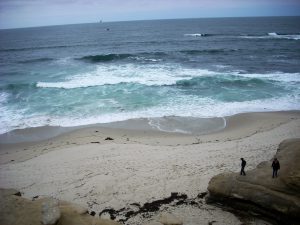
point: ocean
(159, 70)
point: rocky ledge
(15, 210)
(257, 192)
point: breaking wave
(162, 75)
(197, 35)
(285, 36)
(150, 75)
(274, 35)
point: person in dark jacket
(276, 167)
(243, 164)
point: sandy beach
(114, 167)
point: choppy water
(97, 73)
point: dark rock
(155, 205)
(130, 214)
(92, 213)
(194, 203)
(112, 213)
(202, 195)
(18, 194)
(35, 197)
(148, 207)
(181, 202)
(109, 139)
(136, 204)
(9, 192)
(211, 222)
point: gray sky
(27, 13)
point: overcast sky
(27, 13)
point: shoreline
(138, 166)
(168, 124)
(212, 125)
(238, 126)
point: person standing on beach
(276, 167)
(243, 167)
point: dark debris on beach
(124, 214)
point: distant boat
(100, 21)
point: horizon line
(133, 20)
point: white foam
(187, 125)
(222, 66)
(151, 75)
(5, 118)
(293, 36)
(11, 119)
(274, 35)
(130, 73)
(180, 105)
(140, 58)
(276, 76)
(65, 61)
(285, 36)
(3, 97)
(184, 106)
(194, 35)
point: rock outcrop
(50, 211)
(15, 210)
(278, 198)
(169, 219)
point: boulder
(16, 210)
(169, 219)
(278, 198)
(50, 211)
(75, 207)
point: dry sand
(142, 166)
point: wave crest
(196, 35)
(150, 75)
(222, 81)
(36, 60)
(105, 58)
(274, 35)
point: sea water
(105, 72)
